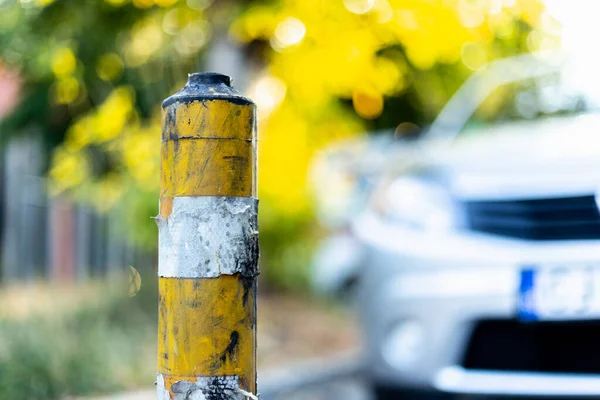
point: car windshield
(520, 88)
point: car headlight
(420, 204)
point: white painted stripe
(202, 388)
(209, 236)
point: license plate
(559, 293)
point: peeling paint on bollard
(208, 244)
(206, 237)
(202, 388)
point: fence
(50, 237)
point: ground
(291, 328)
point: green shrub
(106, 343)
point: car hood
(552, 157)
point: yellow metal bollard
(208, 243)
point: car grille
(510, 345)
(560, 218)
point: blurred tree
(340, 67)
(95, 71)
(94, 74)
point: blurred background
(416, 193)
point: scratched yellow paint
(207, 167)
(207, 327)
(209, 119)
(166, 207)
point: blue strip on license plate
(526, 296)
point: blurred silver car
(478, 265)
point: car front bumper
(458, 380)
(446, 283)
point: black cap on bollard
(203, 86)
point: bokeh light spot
(268, 92)
(473, 55)
(470, 14)
(192, 38)
(289, 32)
(65, 90)
(27, 3)
(171, 23)
(383, 11)
(68, 169)
(199, 5)
(64, 62)
(406, 130)
(146, 39)
(359, 6)
(143, 3)
(165, 3)
(44, 3)
(368, 105)
(109, 67)
(135, 281)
